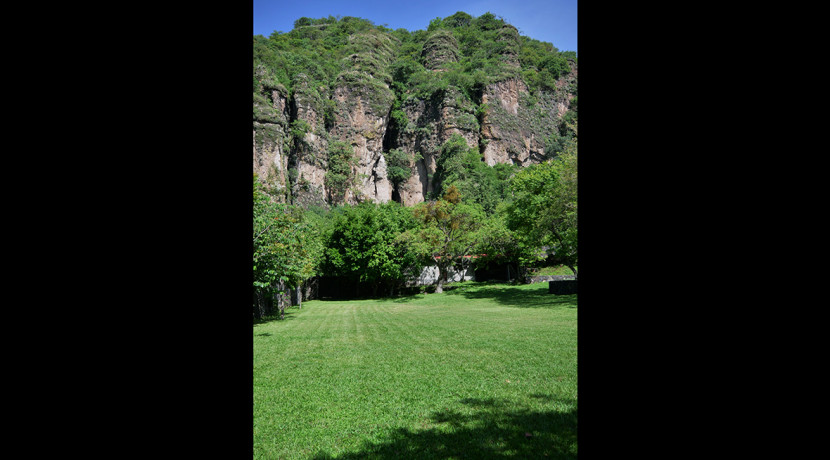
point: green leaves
(453, 62)
(476, 182)
(364, 244)
(544, 210)
(447, 230)
(338, 177)
(285, 245)
(399, 165)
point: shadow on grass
(290, 314)
(406, 298)
(535, 297)
(488, 429)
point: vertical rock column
(363, 100)
(309, 159)
(270, 136)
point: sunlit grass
(481, 370)
(553, 270)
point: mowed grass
(479, 371)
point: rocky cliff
(319, 144)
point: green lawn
(479, 371)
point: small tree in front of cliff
(339, 175)
(447, 231)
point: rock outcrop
(271, 120)
(362, 116)
(308, 162)
(516, 125)
(431, 123)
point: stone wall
(562, 287)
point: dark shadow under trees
(289, 314)
(486, 429)
(498, 291)
(516, 297)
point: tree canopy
(447, 231)
(471, 51)
(544, 210)
(287, 249)
(364, 248)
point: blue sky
(552, 21)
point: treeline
(523, 219)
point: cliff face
(361, 120)
(271, 150)
(431, 123)
(296, 134)
(308, 160)
(516, 125)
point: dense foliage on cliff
(472, 51)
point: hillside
(345, 111)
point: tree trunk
(280, 299)
(297, 296)
(442, 274)
(259, 308)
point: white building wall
(429, 276)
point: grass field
(479, 371)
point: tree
(363, 246)
(447, 231)
(339, 175)
(459, 19)
(286, 249)
(496, 243)
(544, 210)
(399, 165)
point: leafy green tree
(339, 176)
(459, 19)
(450, 165)
(488, 21)
(544, 210)
(447, 232)
(497, 243)
(286, 248)
(399, 165)
(435, 24)
(363, 246)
